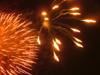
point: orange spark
(75, 13)
(55, 45)
(74, 8)
(58, 41)
(44, 13)
(56, 6)
(89, 21)
(38, 40)
(75, 30)
(56, 57)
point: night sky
(73, 60)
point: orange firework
(17, 45)
(58, 21)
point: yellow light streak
(78, 40)
(58, 41)
(38, 40)
(56, 6)
(74, 9)
(56, 46)
(77, 44)
(89, 21)
(56, 57)
(75, 13)
(75, 30)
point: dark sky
(73, 60)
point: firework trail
(55, 23)
(17, 45)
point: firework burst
(17, 45)
(51, 23)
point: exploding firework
(17, 45)
(56, 23)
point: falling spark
(89, 21)
(58, 41)
(78, 40)
(75, 30)
(55, 45)
(75, 13)
(16, 45)
(44, 13)
(79, 45)
(56, 57)
(74, 9)
(56, 6)
(46, 18)
(38, 40)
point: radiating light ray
(18, 45)
(55, 7)
(75, 13)
(79, 45)
(58, 41)
(78, 40)
(75, 30)
(89, 21)
(55, 45)
(56, 57)
(38, 40)
(74, 9)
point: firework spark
(55, 23)
(17, 45)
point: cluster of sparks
(63, 28)
(18, 45)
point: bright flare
(55, 45)
(74, 9)
(56, 57)
(79, 45)
(75, 30)
(75, 13)
(46, 18)
(44, 13)
(58, 41)
(38, 40)
(56, 6)
(89, 21)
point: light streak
(79, 45)
(38, 40)
(55, 7)
(89, 21)
(58, 41)
(56, 57)
(75, 30)
(78, 40)
(56, 46)
(75, 13)
(74, 9)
